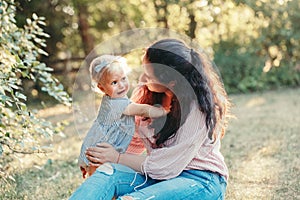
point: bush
(19, 52)
(242, 70)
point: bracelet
(118, 159)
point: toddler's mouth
(121, 92)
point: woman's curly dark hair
(172, 60)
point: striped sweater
(189, 149)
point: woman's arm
(104, 152)
(145, 110)
(132, 160)
(169, 161)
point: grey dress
(110, 126)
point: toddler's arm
(145, 110)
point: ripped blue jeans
(115, 180)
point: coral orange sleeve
(136, 145)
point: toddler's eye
(114, 83)
(124, 78)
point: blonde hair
(104, 65)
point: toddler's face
(116, 84)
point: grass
(261, 149)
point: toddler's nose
(121, 85)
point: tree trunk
(161, 8)
(86, 37)
(192, 26)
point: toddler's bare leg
(91, 170)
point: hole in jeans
(106, 168)
(132, 198)
(127, 198)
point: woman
(183, 160)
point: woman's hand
(105, 152)
(102, 153)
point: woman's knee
(114, 169)
(106, 168)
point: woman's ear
(101, 87)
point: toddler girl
(115, 121)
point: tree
(20, 50)
(81, 7)
(262, 35)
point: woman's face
(150, 79)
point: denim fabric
(117, 180)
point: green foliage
(20, 49)
(239, 70)
(264, 51)
(58, 19)
(266, 33)
(243, 71)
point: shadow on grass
(55, 180)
